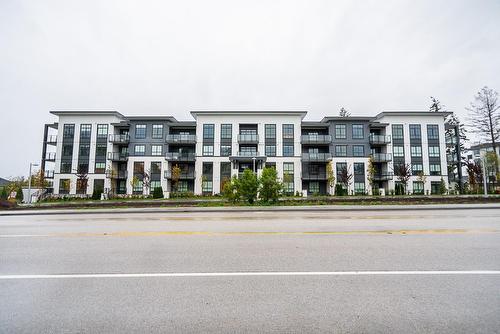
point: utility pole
(29, 182)
(485, 184)
(253, 160)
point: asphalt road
(422, 271)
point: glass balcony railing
(316, 139)
(320, 157)
(382, 157)
(49, 174)
(51, 156)
(181, 139)
(248, 138)
(379, 139)
(119, 139)
(117, 156)
(383, 176)
(189, 174)
(117, 174)
(176, 156)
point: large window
(69, 130)
(357, 131)
(225, 150)
(358, 151)
(140, 131)
(415, 131)
(340, 150)
(359, 188)
(435, 169)
(314, 187)
(288, 150)
(397, 131)
(418, 187)
(288, 178)
(102, 131)
(85, 131)
(100, 167)
(432, 131)
(417, 168)
(287, 131)
(207, 177)
(157, 131)
(270, 131)
(416, 151)
(208, 131)
(140, 149)
(340, 131)
(226, 131)
(100, 150)
(66, 167)
(359, 168)
(84, 150)
(155, 168)
(208, 150)
(340, 167)
(434, 151)
(156, 150)
(398, 151)
(271, 150)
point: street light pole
(484, 177)
(253, 160)
(29, 182)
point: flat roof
(86, 112)
(302, 113)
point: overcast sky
(170, 57)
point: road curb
(322, 208)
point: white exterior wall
(236, 119)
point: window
(432, 131)
(225, 173)
(102, 131)
(288, 178)
(314, 187)
(84, 150)
(435, 185)
(435, 169)
(288, 150)
(85, 131)
(138, 168)
(157, 132)
(359, 188)
(137, 187)
(288, 131)
(226, 131)
(100, 167)
(416, 169)
(208, 150)
(100, 150)
(67, 150)
(156, 150)
(415, 131)
(397, 131)
(207, 186)
(341, 150)
(340, 166)
(359, 168)
(398, 151)
(64, 185)
(182, 186)
(155, 184)
(340, 131)
(208, 132)
(418, 187)
(416, 151)
(83, 168)
(271, 150)
(225, 150)
(65, 167)
(434, 151)
(358, 151)
(140, 149)
(69, 130)
(357, 131)
(155, 168)
(140, 131)
(270, 131)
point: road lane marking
(245, 233)
(251, 273)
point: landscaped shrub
(248, 186)
(3, 194)
(340, 190)
(442, 187)
(182, 194)
(158, 192)
(96, 194)
(270, 187)
(230, 190)
(19, 195)
(399, 189)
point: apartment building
(133, 155)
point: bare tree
(475, 173)
(146, 181)
(345, 177)
(82, 178)
(344, 112)
(403, 173)
(176, 174)
(484, 116)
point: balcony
(383, 176)
(451, 141)
(117, 174)
(379, 139)
(248, 156)
(117, 156)
(319, 157)
(119, 139)
(51, 156)
(49, 174)
(52, 140)
(451, 158)
(316, 139)
(181, 139)
(382, 157)
(176, 156)
(248, 138)
(184, 175)
(307, 175)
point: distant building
(115, 150)
(3, 182)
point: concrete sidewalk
(253, 209)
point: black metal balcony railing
(51, 156)
(117, 174)
(382, 157)
(117, 156)
(314, 176)
(189, 174)
(320, 157)
(49, 174)
(316, 139)
(248, 138)
(379, 139)
(176, 156)
(383, 176)
(451, 141)
(119, 139)
(52, 140)
(181, 139)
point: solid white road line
(278, 273)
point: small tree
(270, 187)
(330, 175)
(176, 175)
(421, 177)
(442, 187)
(345, 177)
(371, 174)
(134, 182)
(230, 190)
(248, 186)
(158, 192)
(436, 105)
(344, 112)
(403, 174)
(146, 181)
(82, 178)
